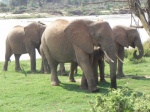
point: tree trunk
(136, 8)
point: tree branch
(104, 2)
(139, 12)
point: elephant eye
(100, 36)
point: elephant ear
(31, 32)
(120, 36)
(41, 28)
(77, 33)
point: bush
(122, 100)
(129, 55)
(4, 9)
(19, 10)
(2, 4)
(146, 46)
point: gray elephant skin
(125, 37)
(97, 63)
(74, 41)
(21, 40)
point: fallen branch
(134, 26)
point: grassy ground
(20, 92)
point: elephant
(21, 40)
(74, 41)
(98, 62)
(62, 70)
(125, 37)
(45, 68)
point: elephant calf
(125, 37)
(98, 62)
(21, 40)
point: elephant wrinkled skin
(21, 40)
(74, 41)
(125, 37)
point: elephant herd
(80, 42)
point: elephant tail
(8, 51)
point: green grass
(33, 92)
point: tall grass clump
(122, 100)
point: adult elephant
(125, 37)
(21, 40)
(74, 41)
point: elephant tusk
(108, 58)
(119, 58)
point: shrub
(129, 55)
(19, 10)
(122, 100)
(4, 9)
(2, 4)
(146, 46)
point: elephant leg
(101, 70)
(32, 55)
(84, 62)
(8, 54)
(62, 70)
(113, 74)
(95, 71)
(17, 66)
(84, 84)
(54, 78)
(45, 67)
(120, 64)
(73, 67)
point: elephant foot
(62, 73)
(33, 71)
(84, 87)
(120, 75)
(47, 72)
(72, 80)
(102, 80)
(53, 83)
(18, 69)
(94, 90)
(4, 69)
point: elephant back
(15, 39)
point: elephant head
(34, 32)
(128, 36)
(86, 34)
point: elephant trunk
(141, 52)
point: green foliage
(64, 6)
(122, 100)
(19, 10)
(3, 7)
(129, 55)
(2, 4)
(146, 46)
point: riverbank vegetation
(61, 7)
